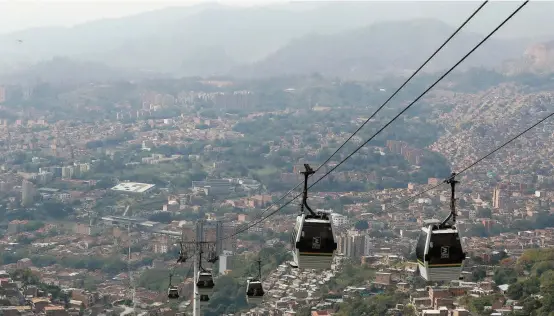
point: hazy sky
(21, 14)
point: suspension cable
(475, 162)
(380, 107)
(390, 122)
(425, 92)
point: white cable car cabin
(439, 252)
(205, 282)
(254, 291)
(313, 242)
(204, 300)
(172, 292)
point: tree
(504, 275)
(57, 210)
(485, 213)
(479, 274)
(547, 290)
(162, 217)
(361, 225)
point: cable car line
(173, 291)
(254, 288)
(390, 122)
(426, 90)
(384, 103)
(406, 81)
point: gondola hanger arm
(307, 173)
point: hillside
(486, 119)
(388, 47)
(66, 71)
(173, 38)
(537, 58)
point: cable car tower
(439, 251)
(203, 278)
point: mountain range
(357, 39)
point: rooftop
(133, 187)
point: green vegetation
(110, 265)
(535, 292)
(28, 278)
(477, 305)
(373, 306)
(541, 221)
(49, 210)
(351, 274)
(390, 170)
(158, 279)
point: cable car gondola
(182, 255)
(204, 300)
(205, 282)
(254, 289)
(313, 237)
(172, 291)
(439, 251)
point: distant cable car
(439, 251)
(182, 255)
(254, 292)
(204, 300)
(254, 289)
(205, 282)
(313, 239)
(172, 291)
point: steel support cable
(425, 92)
(406, 81)
(384, 104)
(477, 161)
(239, 230)
(388, 100)
(393, 119)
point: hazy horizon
(19, 16)
(201, 37)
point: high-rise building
(27, 193)
(496, 198)
(227, 261)
(2, 94)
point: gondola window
(448, 250)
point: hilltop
(62, 70)
(214, 39)
(537, 58)
(383, 48)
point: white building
(339, 220)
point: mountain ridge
(387, 47)
(225, 38)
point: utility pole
(131, 281)
(195, 295)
